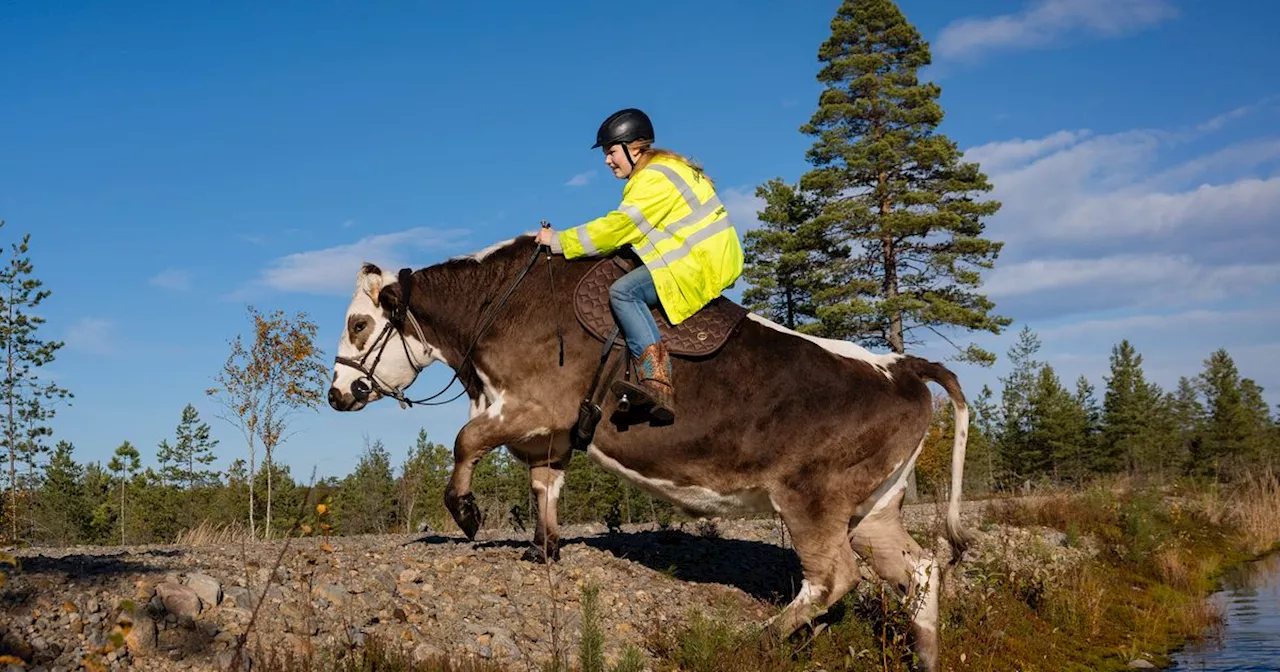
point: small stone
(238, 596)
(207, 588)
(179, 599)
(226, 660)
(1141, 664)
(426, 652)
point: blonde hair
(648, 153)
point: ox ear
(388, 298)
(370, 281)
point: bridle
(363, 386)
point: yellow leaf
(12, 660)
(306, 529)
(324, 546)
(321, 508)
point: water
(1250, 637)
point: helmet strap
(627, 151)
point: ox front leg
(546, 481)
(483, 433)
(479, 436)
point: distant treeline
(1034, 432)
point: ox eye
(359, 327)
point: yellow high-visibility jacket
(676, 224)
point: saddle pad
(701, 334)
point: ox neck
(453, 299)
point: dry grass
(1254, 510)
(208, 534)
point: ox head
(381, 350)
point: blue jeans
(631, 297)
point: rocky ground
(171, 607)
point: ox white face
(366, 319)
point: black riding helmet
(622, 127)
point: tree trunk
(253, 531)
(11, 430)
(889, 254)
(791, 308)
(266, 532)
(122, 509)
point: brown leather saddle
(702, 334)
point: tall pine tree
(28, 402)
(896, 191)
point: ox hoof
(537, 555)
(465, 513)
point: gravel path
(167, 607)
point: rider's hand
(544, 235)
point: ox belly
(694, 499)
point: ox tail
(957, 536)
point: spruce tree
(1087, 400)
(1019, 388)
(1258, 439)
(791, 262)
(28, 402)
(1227, 422)
(895, 190)
(1058, 427)
(1188, 418)
(64, 509)
(1128, 439)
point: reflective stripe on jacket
(676, 224)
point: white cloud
(332, 270)
(1139, 278)
(1111, 192)
(1197, 319)
(172, 278)
(743, 206)
(581, 179)
(1048, 22)
(1094, 222)
(92, 335)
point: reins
(397, 320)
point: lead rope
(551, 276)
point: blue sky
(176, 161)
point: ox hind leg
(903, 564)
(829, 565)
(546, 481)
(547, 458)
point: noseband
(361, 389)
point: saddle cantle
(700, 335)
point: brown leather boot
(655, 391)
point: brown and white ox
(822, 432)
